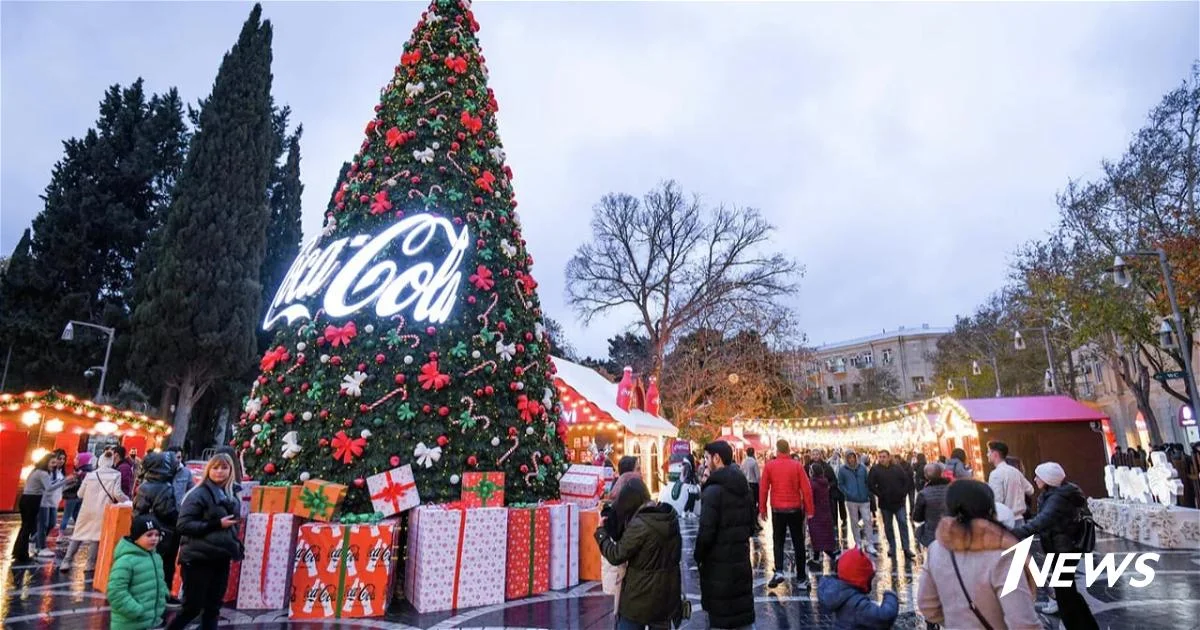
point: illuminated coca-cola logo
(390, 271)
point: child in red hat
(848, 594)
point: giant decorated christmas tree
(409, 331)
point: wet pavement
(38, 596)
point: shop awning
(1030, 409)
(602, 393)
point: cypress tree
(202, 298)
(284, 232)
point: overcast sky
(903, 150)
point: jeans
(1073, 609)
(892, 516)
(73, 550)
(203, 589)
(70, 512)
(781, 523)
(858, 511)
(168, 548)
(29, 505)
(628, 624)
(47, 517)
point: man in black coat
(723, 544)
(891, 484)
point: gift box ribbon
(262, 570)
(485, 488)
(393, 491)
(262, 496)
(315, 501)
(341, 585)
(532, 544)
(462, 534)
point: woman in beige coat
(100, 488)
(970, 536)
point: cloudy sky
(903, 150)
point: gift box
(273, 499)
(483, 489)
(456, 557)
(118, 519)
(564, 545)
(582, 485)
(528, 566)
(342, 571)
(589, 551)
(393, 491)
(267, 562)
(319, 500)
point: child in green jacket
(137, 591)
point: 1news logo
(1058, 569)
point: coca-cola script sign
(390, 270)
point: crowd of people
(818, 501)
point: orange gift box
(273, 499)
(527, 571)
(589, 551)
(343, 571)
(118, 519)
(318, 500)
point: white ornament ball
(495, 441)
(476, 354)
(528, 430)
(408, 359)
(307, 415)
(304, 476)
(520, 385)
(435, 146)
(454, 479)
(366, 435)
(256, 428)
(369, 328)
(324, 358)
(301, 346)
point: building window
(918, 383)
(840, 364)
(887, 356)
(868, 359)
(829, 394)
(842, 392)
(829, 365)
(857, 391)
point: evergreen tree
(283, 231)
(105, 195)
(202, 297)
(409, 330)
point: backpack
(1085, 536)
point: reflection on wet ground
(38, 596)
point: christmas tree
(409, 331)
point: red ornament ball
(347, 423)
(363, 408)
(443, 441)
(512, 431)
(520, 348)
(443, 411)
(246, 444)
(279, 379)
(546, 459)
(363, 198)
(289, 418)
(489, 390)
(471, 299)
(380, 358)
(362, 367)
(387, 159)
(433, 355)
(431, 330)
(323, 442)
(528, 336)
(394, 461)
(501, 326)
(399, 379)
(524, 469)
(324, 414)
(371, 162)
(472, 461)
(454, 146)
(426, 408)
(335, 360)
(287, 391)
(269, 468)
(359, 482)
(258, 451)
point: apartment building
(832, 375)
(1098, 384)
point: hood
(1071, 493)
(662, 519)
(127, 547)
(730, 479)
(155, 467)
(834, 592)
(982, 535)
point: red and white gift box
(456, 557)
(393, 491)
(564, 545)
(582, 485)
(267, 562)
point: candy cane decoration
(437, 96)
(516, 442)
(470, 403)
(519, 288)
(439, 189)
(534, 459)
(429, 46)
(388, 396)
(484, 317)
(480, 367)
(414, 190)
(391, 181)
(531, 365)
(450, 156)
(295, 365)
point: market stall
(35, 423)
(597, 423)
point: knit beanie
(1051, 473)
(83, 459)
(141, 525)
(856, 569)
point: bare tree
(675, 262)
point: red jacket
(784, 479)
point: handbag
(970, 604)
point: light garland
(84, 408)
(902, 425)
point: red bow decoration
(395, 137)
(485, 181)
(482, 279)
(529, 409)
(472, 123)
(340, 336)
(340, 195)
(272, 357)
(382, 203)
(457, 64)
(430, 378)
(346, 449)
(410, 58)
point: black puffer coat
(723, 549)
(156, 494)
(1057, 520)
(652, 545)
(200, 525)
(930, 508)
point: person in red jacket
(786, 484)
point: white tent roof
(602, 393)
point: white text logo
(1058, 569)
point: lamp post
(1123, 279)
(69, 334)
(966, 387)
(1019, 344)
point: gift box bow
(485, 488)
(393, 491)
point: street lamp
(1019, 344)
(975, 369)
(68, 334)
(1165, 334)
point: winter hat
(83, 459)
(141, 525)
(1051, 473)
(856, 569)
